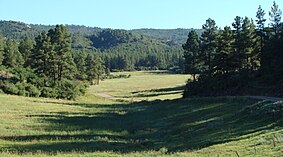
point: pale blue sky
(131, 14)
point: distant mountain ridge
(18, 30)
(176, 36)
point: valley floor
(122, 123)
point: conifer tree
(80, 59)
(191, 54)
(208, 40)
(222, 61)
(275, 17)
(42, 58)
(1, 49)
(247, 42)
(61, 40)
(25, 48)
(260, 21)
(238, 54)
(94, 68)
(12, 56)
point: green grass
(144, 85)
(92, 126)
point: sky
(132, 14)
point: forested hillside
(19, 30)
(169, 36)
(120, 49)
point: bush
(9, 88)
(32, 90)
(49, 92)
(21, 87)
(67, 89)
(82, 88)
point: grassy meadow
(124, 125)
(143, 85)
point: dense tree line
(122, 50)
(46, 66)
(171, 37)
(244, 59)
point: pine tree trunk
(98, 77)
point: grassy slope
(95, 126)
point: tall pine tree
(260, 21)
(222, 61)
(80, 59)
(94, 68)
(25, 48)
(208, 40)
(61, 39)
(1, 49)
(191, 54)
(41, 58)
(12, 57)
(275, 17)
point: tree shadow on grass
(170, 89)
(178, 125)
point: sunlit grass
(95, 126)
(143, 85)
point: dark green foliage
(223, 62)
(43, 57)
(238, 54)
(110, 38)
(9, 88)
(19, 30)
(68, 89)
(22, 89)
(243, 61)
(32, 90)
(94, 68)
(49, 92)
(171, 37)
(25, 48)
(49, 66)
(27, 89)
(275, 17)
(260, 21)
(208, 44)
(12, 56)
(1, 49)
(64, 62)
(121, 49)
(79, 41)
(191, 54)
(80, 61)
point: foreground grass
(196, 127)
(92, 126)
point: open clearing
(142, 85)
(97, 126)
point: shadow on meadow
(158, 92)
(178, 125)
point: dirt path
(105, 95)
(266, 98)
